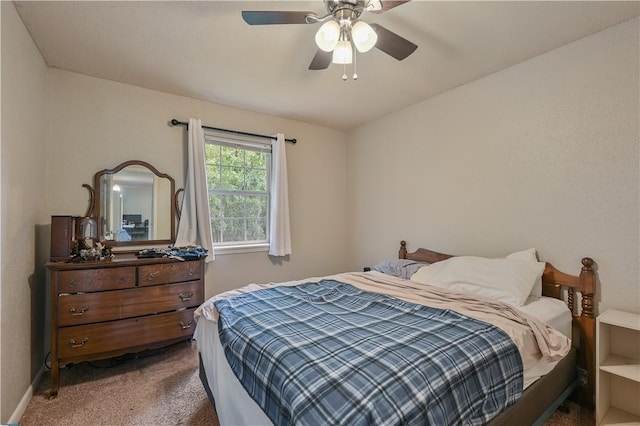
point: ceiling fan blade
(269, 17)
(392, 44)
(321, 60)
(389, 4)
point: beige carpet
(155, 388)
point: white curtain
(194, 227)
(280, 232)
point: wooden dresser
(105, 309)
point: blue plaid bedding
(330, 353)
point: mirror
(134, 204)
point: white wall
(23, 222)
(543, 154)
(96, 124)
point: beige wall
(23, 219)
(543, 154)
(95, 124)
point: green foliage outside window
(238, 183)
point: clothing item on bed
(401, 268)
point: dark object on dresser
(63, 237)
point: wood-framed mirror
(134, 205)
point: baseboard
(22, 406)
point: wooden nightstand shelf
(618, 368)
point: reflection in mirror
(135, 205)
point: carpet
(159, 387)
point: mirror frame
(95, 205)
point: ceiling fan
(343, 32)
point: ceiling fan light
(328, 35)
(343, 54)
(363, 36)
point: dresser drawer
(168, 273)
(88, 308)
(117, 335)
(87, 280)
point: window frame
(246, 143)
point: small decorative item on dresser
(618, 368)
(88, 233)
(93, 254)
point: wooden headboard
(559, 285)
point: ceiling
(205, 50)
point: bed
(511, 389)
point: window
(238, 180)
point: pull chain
(355, 64)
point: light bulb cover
(343, 54)
(328, 35)
(363, 36)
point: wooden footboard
(566, 287)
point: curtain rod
(175, 122)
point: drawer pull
(151, 276)
(122, 280)
(185, 298)
(190, 272)
(72, 283)
(73, 343)
(187, 325)
(75, 313)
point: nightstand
(618, 368)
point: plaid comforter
(330, 353)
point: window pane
(217, 226)
(256, 180)
(256, 159)
(256, 229)
(212, 154)
(232, 178)
(215, 206)
(256, 206)
(213, 177)
(232, 206)
(233, 230)
(232, 156)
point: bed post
(587, 325)
(587, 286)
(402, 254)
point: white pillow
(508, 280)
(530, 255)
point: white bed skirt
(234, 406)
